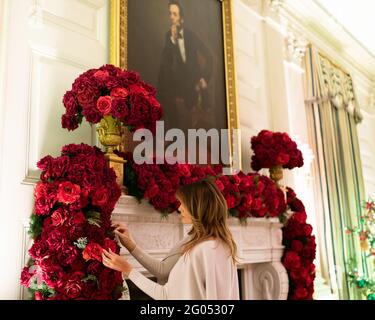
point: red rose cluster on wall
(110, 90)
(70, 225)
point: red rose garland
(110, 90)
(274, 149)
(70, 226)
(300, 249)
(251, 195)
(158, 182)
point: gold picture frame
(119, 57)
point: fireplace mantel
(259, 243)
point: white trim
(4, 14)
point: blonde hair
(209, 213)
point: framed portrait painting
(184, 48)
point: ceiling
(356, 16)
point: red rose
(38, 249)
(266, 138)
(119, 93)
(292, 260)
(151, 191)
(73, 286)
(104, 105)
(107, 280)
(54, 277)
(87, 91)
(282, 158)
(110, 244)
(307, 230)
(69, 122)
(299, 217)
(296, 245)
(59, 216)
(70, 103)
(120, 109)
(297, 205)
(300, 293)
(100, 197)
(45, 197)
(38, 295)
(78, 218)
(68, 192)
(26, 276)
(231, 201)
(101, 76)
(92, 114)
(67, 255)
(57, 239)
(93, 251)
(220, 185)
(95, 268)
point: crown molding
(323, 31)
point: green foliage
(90, 277)
(119, 289)
(46, 291)
(81, 243)
(365, 233)
(36, 225)
(131, 182)
(93, 217)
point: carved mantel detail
(259, 245)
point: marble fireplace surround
(259, 246)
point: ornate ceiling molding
(295, 47)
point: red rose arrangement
(300, 250)
(71, 224)
(110, 90)
(251, 195)
(273, 149)
(158, 182)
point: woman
(206, 268)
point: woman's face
(185, 214)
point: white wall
(48, 44)
(366, 132)
(251, 76)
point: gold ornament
(276, 175)
(110, 136)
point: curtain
(333, 114)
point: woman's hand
(121, 229)
(116, 262)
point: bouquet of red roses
(251, 195)
(110, 90)
(273, 149)
(300, 250)
(70, 225)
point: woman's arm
(151, 288)
(118, 263)
(160, 269)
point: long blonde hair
(209, 213)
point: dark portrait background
(148, 25)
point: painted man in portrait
(185, 73)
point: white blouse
(207, 272)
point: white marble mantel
(259, 245)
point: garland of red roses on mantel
(70, 225)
